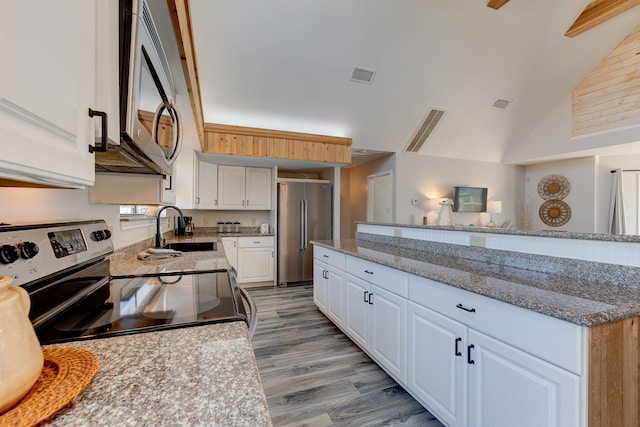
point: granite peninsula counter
(576, 300)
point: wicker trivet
(66, 372)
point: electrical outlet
(397, 232)
(253, 221)
(206, 221)
(414, 202)
(478, 241)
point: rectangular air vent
(425, 130)
(363, 75)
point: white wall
(581, 198)
(423, 177)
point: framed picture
(469, 199)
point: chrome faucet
(159, 238)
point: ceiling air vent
(502, 103)
(363, 75)
(425, 130)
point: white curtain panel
(617, 223)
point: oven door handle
(253, 311)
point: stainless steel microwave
(150, 124)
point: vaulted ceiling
(287, 65)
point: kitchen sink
(191, 246)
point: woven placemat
(66, 372)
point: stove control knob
(8, 254)
(28, 249)
(97, 236)
(107, 234)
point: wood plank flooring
(313, 375)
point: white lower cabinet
(256, 260)
(230, 245)
(508, 387)
(329, 282)
(471, 360)
(437, 374)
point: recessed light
(502, 103)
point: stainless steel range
(63, 267)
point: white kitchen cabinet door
(231, 183)
(388, 333)
(205, 184)
(255, 264)
(320, 285)
(258, 188)
(230, 245)
(508, 387)
(335, 294)
(356, 319)
(436, 371)
(47, 85)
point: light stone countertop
(586, 302)
(195, 376)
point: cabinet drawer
(255, 241)
(387, 278)
(333, 258)
(551, 339)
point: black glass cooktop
(141, 303)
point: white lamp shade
(494, 206)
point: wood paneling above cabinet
(609, 97)
(244, 141)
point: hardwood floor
(313, 375)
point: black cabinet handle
(101, 143)
(365, 296)
(458, 341)
(368, 272)
(371, 298)
(325, 255)
(462, 307)
(469, 360)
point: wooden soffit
(598, 12)
(256, 142)
(496, 4)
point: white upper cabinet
(205, 184)
(47, 85)
(242, 187)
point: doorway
(379, 197)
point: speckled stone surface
(577, 300)
(197, 376)
(546, 233)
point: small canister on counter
(236, 227)
(229, 227)
(220, 227)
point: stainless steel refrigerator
(304, 214)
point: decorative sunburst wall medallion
(555, 213)
(553, 187)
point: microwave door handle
(177, 123)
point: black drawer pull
(370, 298)
(458, 341)
(325, 255)
(469, 360)
(462, 307)
(368, 272)
(365, 296)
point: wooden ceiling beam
(180, 13)
(496, 4)
(598, 12)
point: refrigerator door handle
(306, 225)
(302, 225)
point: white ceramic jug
(446, 215)
(21, 358)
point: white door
(335, 295)
(231, 183)
(320, 284)
(258, 188)
(436, 371)
(379, 198)
(356, 318)
(255, 265)
(508, 387)
(388, 333)
(47, 85)
(206, 185)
